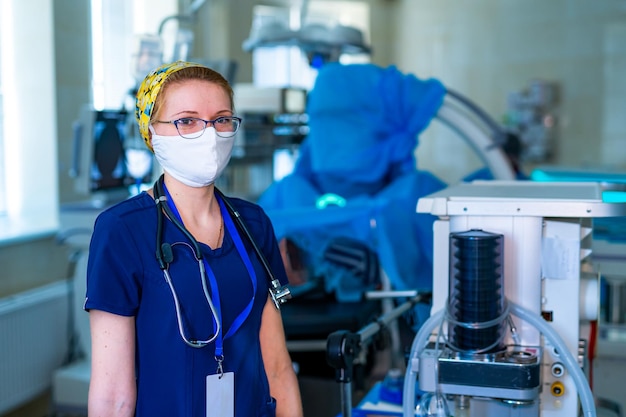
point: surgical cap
(148, 91)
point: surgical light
(321, 43)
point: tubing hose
(408, 393)
(584, 391)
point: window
(28, 153)
(111, 29)
(2, 180)
(116, 26)
(28, 163)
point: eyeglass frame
(206, 123)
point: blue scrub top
(123, 277)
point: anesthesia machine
(514, 289)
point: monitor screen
(107, 167)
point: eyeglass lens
(191, 127)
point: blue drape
(364, 125)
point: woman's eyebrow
(193, 113)
(185, 112)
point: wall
(30, 264)
(72, 48)
(614, 92)
(486, 49)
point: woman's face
(191, 98)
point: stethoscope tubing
(164, 256)
(207, 296)
(278, 292)
(244, 229)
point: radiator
(33, 342)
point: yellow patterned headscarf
(148, 91)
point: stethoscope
(164, 255)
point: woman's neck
(199, 210)
(184, 196)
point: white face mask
(194, 162)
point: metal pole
(371, 329)
(342, 346)
(346, 399)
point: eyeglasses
(193, 127)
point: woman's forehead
(195, 95)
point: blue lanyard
(215, 296)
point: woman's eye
(186, 122)
(223, 120)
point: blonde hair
(192, 73)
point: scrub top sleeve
(114, 268)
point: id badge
(220, 395)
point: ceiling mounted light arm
(178, 45)
(186, 17)
(304, 10)
(195, 6)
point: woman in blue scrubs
(183, 336)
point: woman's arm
(112, 389)
(282, 378)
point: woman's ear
(148, 140)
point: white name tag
(220, 395)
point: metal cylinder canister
(476, 293)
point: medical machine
(109, 158)
(514, 288)
(266, 146)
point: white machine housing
(547, 230)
